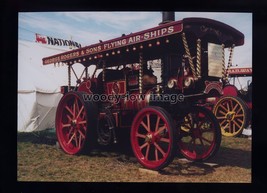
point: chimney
(167, 16)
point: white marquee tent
(38, 86)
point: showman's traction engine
(151, 83)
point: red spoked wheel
(232, 114)
(75, 123)
(199, 134)
(153, 138)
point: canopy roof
(153, 43)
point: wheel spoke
(145, 126)
(74, 107)
(231, 104)
(69, 118)
(144, 145)
(74, 134)
(80, 112)
(220, 117)
(230, 127)
(81, 134)
(228, 106)
(234, 128)
(226, 126)
(140, 135)
(76, 140)
(226, 110)
(70, 131)
(156, 154)
(194, 145)
(240, 120)
(160, 129)
(81, 122)
(208, 141)
(237, 112)
(235, 107)
(202, 144)
(239, 116)
(235, 123)
(77, 106)
(147, 151)
(159, 148)
(66, 125)
(225, 120)
(148, 121)
(80, 139)
(166, 140)
(157, 123)
(70, 111)
(220, 111)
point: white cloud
(116, 20)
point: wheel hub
(230, 116)
(149, 138)
(195, 132)
(73, 123)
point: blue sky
(89, 27)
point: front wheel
(153, 138)
(199, 134)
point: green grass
(40, 159)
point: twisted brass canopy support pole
(104, 71)
(231, 56)
(141, 73)
(198, 58)
(189, 55)
(224, 76)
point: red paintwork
(137, 104)
(230, 90)
(249, 105)
(85, 86)
(144, 155)
(64, 128)
(40, 39)
(116, 87)
(189, 149)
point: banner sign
(55, 41)
(133, 38)
(240, 71)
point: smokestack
(167, 16)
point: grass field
(40, 159)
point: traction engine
(150, 84)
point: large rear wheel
(75, 123)
(153, 138)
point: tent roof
(32, 75)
